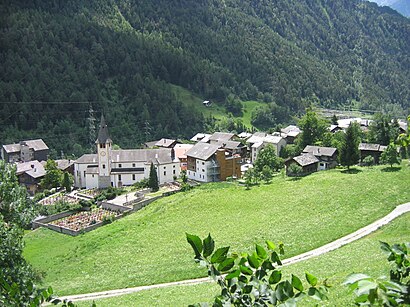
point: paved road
(313, 253)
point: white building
(119, 168)
(260, 139)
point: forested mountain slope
(122, 55)
(401, 6)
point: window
(173, 172)
(174, 166)
(84, 173)
(120, 165)
(102, 145)
(203, 163)
(119, 177)
(103, 166)
(133, 164)
(133, 176)
(165, 173)
(203, 170)
(165, 167)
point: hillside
(304, 214)
(122, 58)
(401, 6)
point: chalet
(260, 139)
(30, 174)
(119, 168)
(290, 133)
(221, 137)
(209, 162)
(308, 162)
(164, 143)
(25, 151)
(327, 156)
(373, 150)
(201, 137)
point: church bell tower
(104, 144)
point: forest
(64, 63)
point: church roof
(103, 135)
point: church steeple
(103, 135)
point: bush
(295, 170)
(368, 161)
(108, 219)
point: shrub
(295, 170)
(368, 161)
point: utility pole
(91, 128)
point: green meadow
(149, 247)
(363, 255)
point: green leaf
(271, 246)
(245, 270)
(275, 258)
(233, 274)
(314, 293)
(311, 279)
(275, 277)
(364, 286)
(220, 255)
(209, 245)
(296, 283)
(261, 252)
(196, 244)
(226, 265)
(253, 261)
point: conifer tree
(390, 155)
(153, 179)
(349, 152)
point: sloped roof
(272, 139)
(201, 137)
(221, 136)
(181, 150)
(320, 151)
(291, 128)
(244, 135)
(158, 155)
(229, 144)
(306, 159)
(369, 146)
(202, 151)
(165, 143)
(36, 145)
(87, 158)
(32, 168)
(257, 137)
(64, 163)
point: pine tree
(153, 179)
(349, 152)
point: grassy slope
(215, 110)
(149, 247)
(360, 256)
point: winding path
(399, 210)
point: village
(220, 156)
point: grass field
(149, 247)
(360, 256)
(215, 110)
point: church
(123, 167)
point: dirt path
(399, 210)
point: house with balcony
(211, 162)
